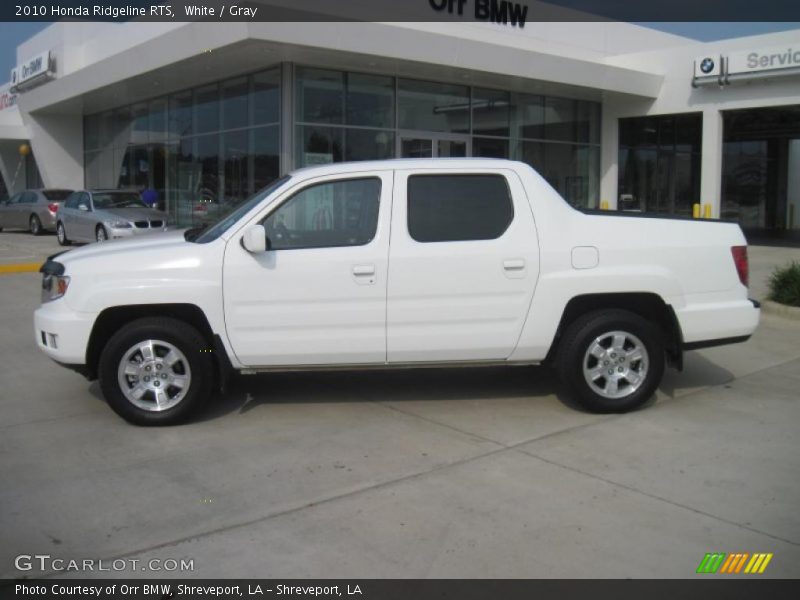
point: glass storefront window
(368, 144)
(528, 116)
(587, 122)
(158, 120)
(236, 157)
(560, 119)
(140, 167)
(235, 112)
(760, 165)
(573, 171)
(122, 159)
(155, 145)
(370, 100)
(206, 153)
(266, 97)
(180, 115)
(319, 145)
(207, 148)
(319, 96)
(266, 155)
(141, 124)
(489, 147)
(491, 111)
(659, 163)
(206, 108)
(531, 153)
(430, 106)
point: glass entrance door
(422, 145)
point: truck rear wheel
(611, 361)
(154, 371)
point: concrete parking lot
(436, 473)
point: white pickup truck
(453, 262)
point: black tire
(573, 356)
(35, 225)
(61, 235)
(182, 336)
(100, 234)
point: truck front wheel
(156, 371)
(611, 361)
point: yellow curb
(20, 268)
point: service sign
(708, 66)
(764, 59)
(35, 68)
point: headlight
(54, 286)
(119, 224)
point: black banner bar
(497, 11)
(400, 589)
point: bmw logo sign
(707, 65)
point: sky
(12, 34)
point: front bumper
(61, 333)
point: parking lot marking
(19, 268)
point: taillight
(52, 207)
(740, 260)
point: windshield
(221, 226)
(56, 194)
(103, 200)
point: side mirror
(83, 207)
(254, 239)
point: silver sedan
(34, 210)
(99, 215)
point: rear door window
(451, 208)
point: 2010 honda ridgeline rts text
(388, 264)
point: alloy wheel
(615, 364)
(154, 375)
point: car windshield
(56, 195)
(103, 200)
(221, 226)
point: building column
(609, 155)
(57, 143)
(711, 169)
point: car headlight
(54, 282)
(119, 224)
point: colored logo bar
(734, 563)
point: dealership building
(613, 115)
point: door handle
(514, 264)
(363, 270)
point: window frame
(306, 185)
(510, 197)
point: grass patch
(784, 284)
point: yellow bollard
(706, 211)
(695, 211)
(604, 205)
